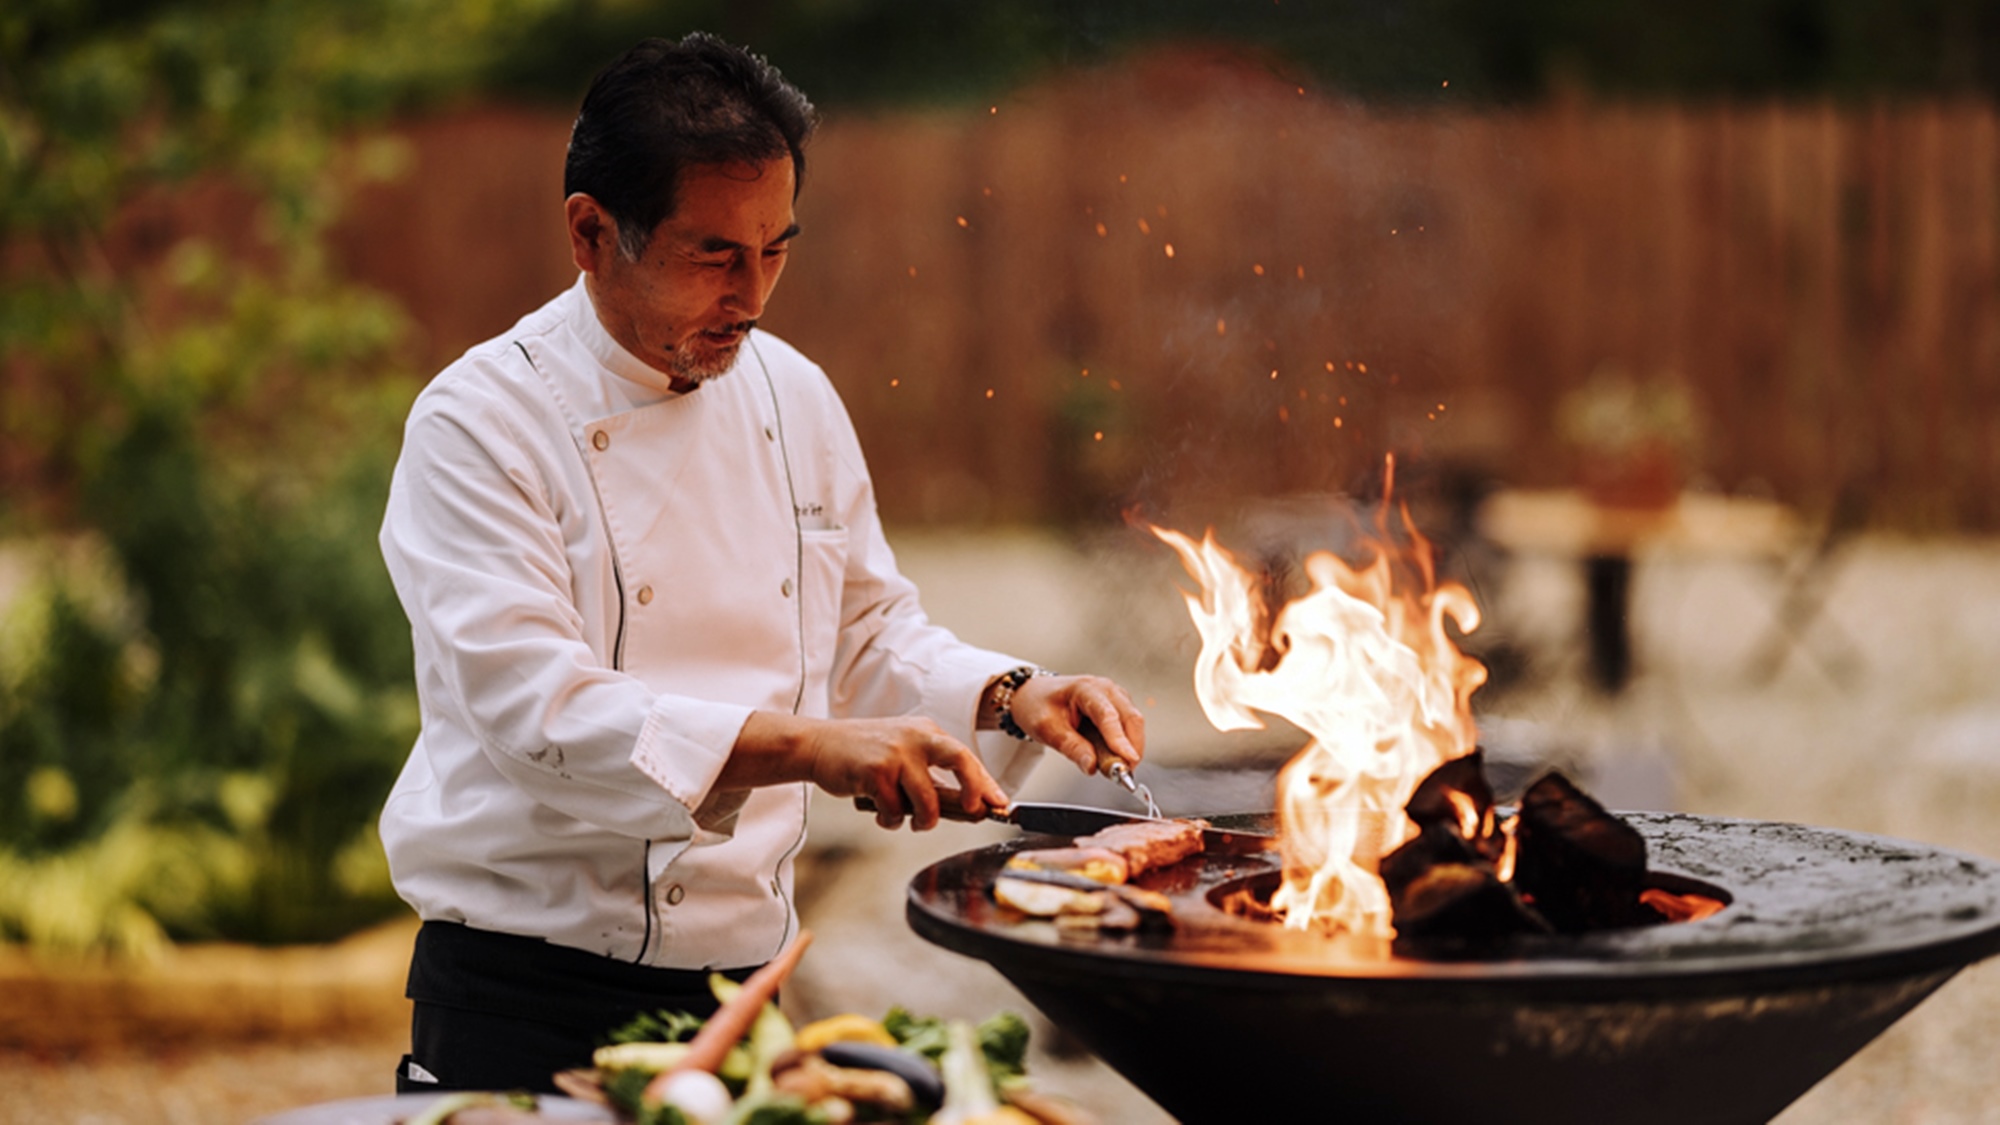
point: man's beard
(697, 361)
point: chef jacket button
(675, 894)
(770, 434)
(645, 595)
(786, 589)
(601, 440)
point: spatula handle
(950, 806)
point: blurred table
(1568, 523)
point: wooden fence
(1183, 281)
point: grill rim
(1902, 909)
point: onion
(700, 1096)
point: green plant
(206, 686)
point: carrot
(732, 1021)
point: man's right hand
(887, 761)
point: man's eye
(776, 251)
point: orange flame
(1681, 908)
(1503, 868)
(1364, 665)
(1469, 817)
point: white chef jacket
(603, 579)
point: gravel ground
(211, 1084)
(1886, 719)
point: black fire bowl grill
(1828, 938)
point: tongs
(1114, 767)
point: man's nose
(748, 287)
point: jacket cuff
(952, 687)
(682, 748)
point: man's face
(686, 305)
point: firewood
(1582, 867)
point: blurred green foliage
(205, 680)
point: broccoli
(1003, 1039)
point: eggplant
(923, 1078)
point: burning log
(1582, 867)
(1463, 902)
(1453, 811)
(1562, 865)
(1455, 793)
(1445, 883)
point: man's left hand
(1081, 718)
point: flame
(1469, 816)
(1503, 868)
(1681, 908)
(1363, 664)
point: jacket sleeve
(474, 544)
(891, 659)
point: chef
(652, 606)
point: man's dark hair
(664, 107)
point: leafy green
(658, 1115)
(1002, 1037)
(775, 1109)
(622, 1088)
(925, 1035)
(659, 1026)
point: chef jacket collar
(651, 383)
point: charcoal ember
(1438, 843)
(1582, 867)
(1431, 803)
(1432, 809)
(1465, 903)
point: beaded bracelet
(1003, 697)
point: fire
(1469, 816)
(1362, 663)
(1681, 908)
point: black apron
(495, 1011)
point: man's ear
(593, 233)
